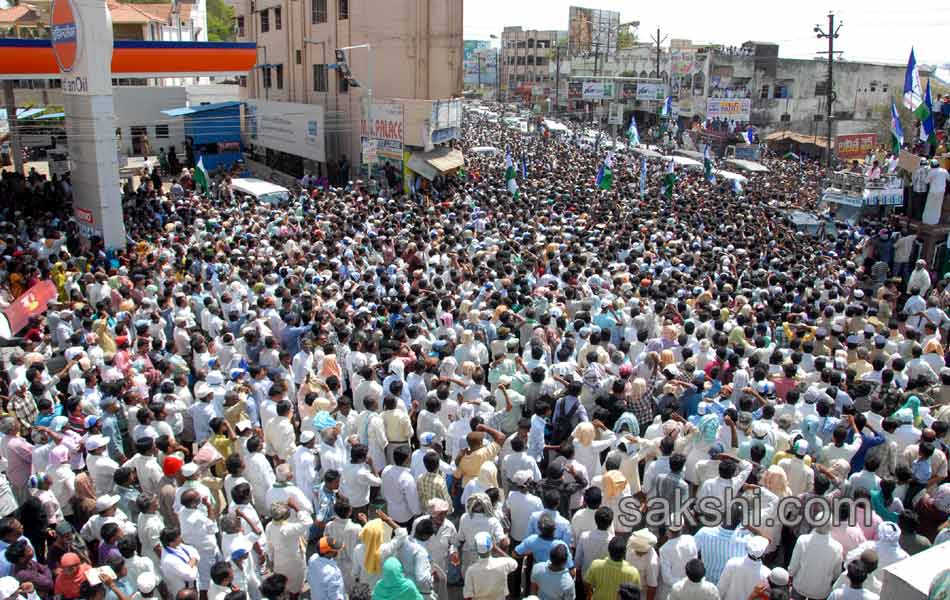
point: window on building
(343, 83)
(530, 42)
(298, 57)
(318, 11)
(531, 59)
(344, 9)
(511, 60)
(521, 44)
(783, 89)
(764, 92)
(240, 26)
(541, 60)
(161, 131)
(242, 81)
(280, 76)
(521, 60)
(872, 86)
(319, 78)
(821, 88)
(884, 88)
(265, 76)
(265, 20)
(277, 20)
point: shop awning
(441, 160)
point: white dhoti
(933, 208)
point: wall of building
(136, 106)
(864, 93)
(416, 54)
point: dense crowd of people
(467, 391)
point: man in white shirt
(279, 434)
(733, 473)
(519, 506)
(487, 577)
(101, 467)
(694, 586)
(399, 489)
(303, 463)
(199, 529)
(675, 554)
(937, 179)
(816, 562)
(742, 574)
(179, 562)
(854, 590)
(357, 478)
(518, 460)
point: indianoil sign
(64, 30)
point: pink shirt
(849, 538)
(19, 454)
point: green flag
(669, 181)
(201, 175)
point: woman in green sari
(394, 585)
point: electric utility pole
(658, 40)
(830, 96)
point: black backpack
(562, 428)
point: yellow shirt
(472, 462)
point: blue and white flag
(927, 128)
(737, 187)
(897, 131)
(633, 135)
(913, 92)
(524, 167)
(749, 134)
(643, 177)
(667, 107)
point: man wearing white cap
(189, 471)
(679, 549)
(743, 573)
(285, 487)
(107, 511)
(520, 505)
(641, 554)
(146, 586)
(101, 466)
(11, 589)
(303, 464)
(486, 578)
(441, 546)
(816, 562)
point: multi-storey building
(415, 54)
(526, 57)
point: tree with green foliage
(220, 21)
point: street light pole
(369, 88)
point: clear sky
(874, 30)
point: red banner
(32, 302)
(855, 145)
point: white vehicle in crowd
(262, 191)
(485, 151)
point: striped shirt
(606, 576)
(717, 545)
